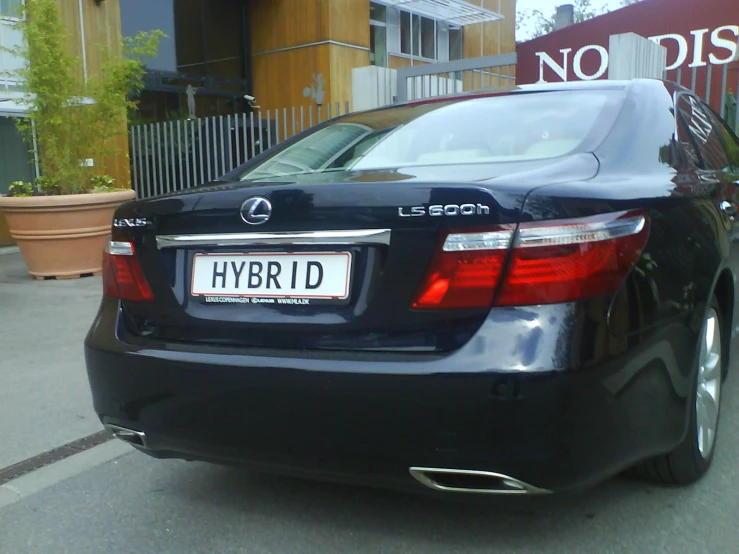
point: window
(405, 32)
(378, 34)
(313, 153)
(706, 138)
(10, 8)
(493, 130)
(499, 129)
(428, 38)
(16, 163)
(378, 45)
(418, 37)
(378, 13)
(727, 137)
(455, 43)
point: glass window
(405, 33)
(706, 137)
(442, 41)
(10, 8)
(423, 37)
(11, 37)
(416, 35)
(378, 12)
(501, 128)
(378, 45)
(428, 38)
(378, 34)
(455, 43)
(313, 153)
(728, 138)
(16, 163)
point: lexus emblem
(256, 211)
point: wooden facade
(100, 37)
(494, 37)
(293, 40)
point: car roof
(603, 84)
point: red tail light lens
(122, 274)
(550, 262)
(465, 271)
(562, 261)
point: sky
(549, 7)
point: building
(285, 53)
(697, 36)
(293, 52)
(15, 161)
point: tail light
(122, 274)
(465, 271)
(549, 262)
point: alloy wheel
(708, 394)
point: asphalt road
(113, 499)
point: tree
(543, 24)
(629, 2)
(71, 119)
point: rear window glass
(508, 128)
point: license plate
(274, 277)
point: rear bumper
(370, 419)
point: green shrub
(72, 119)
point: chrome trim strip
(424, 475)
(364, 236)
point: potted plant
(62, 221)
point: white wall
(373, 87)
(634, 57)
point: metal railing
(175, 155)
(467, 75)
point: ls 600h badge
(444, 210)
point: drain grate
(30, 465)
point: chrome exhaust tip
(137, 438)
(472, 481)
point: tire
(691, 460)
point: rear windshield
(507, 128)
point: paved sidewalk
(44, 396)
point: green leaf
(71, 119)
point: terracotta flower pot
(62, 236)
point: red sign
(696, 34)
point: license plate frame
(336, 293)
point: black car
(519, 292)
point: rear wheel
(692, 458)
